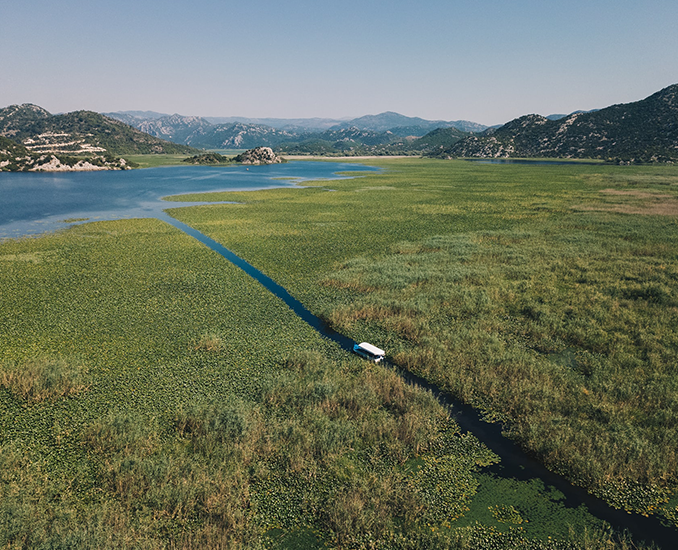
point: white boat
(369, 352)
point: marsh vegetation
(545, 295)
(181, 405)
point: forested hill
(79, 132)
(643, 131)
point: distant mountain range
(642, 131)
(379, 123)
(392, 122)
(635, 132)
(380, 134)
(293, 124)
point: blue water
(32, 203)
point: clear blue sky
(485, 60)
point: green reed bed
(153, 161)
(545, 295)
(152, 396)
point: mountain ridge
(34, 139)
(386, 133)
(640, 131)
(380, 122)
(389, 120)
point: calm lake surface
(32, 203)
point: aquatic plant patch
(494, 282)
(210, 414)
(40, 379)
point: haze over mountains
(642, 131)
(361, 135)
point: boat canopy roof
(372, 349)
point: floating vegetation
(559, 322)
(215, 418)
(506, 514)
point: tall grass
(534, 293)
(516, 330)
(40, 379)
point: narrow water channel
(515, 463)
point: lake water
(32, 203)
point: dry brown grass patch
(401, 322)
(210, 342)
(635, 201)
(40, 379)
(639, 193)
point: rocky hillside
(242, 136)
(373, 134)
(15, 157)
(80, 132)
(643, 131)
(175, 128)
(199, 133)
(259, 155)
